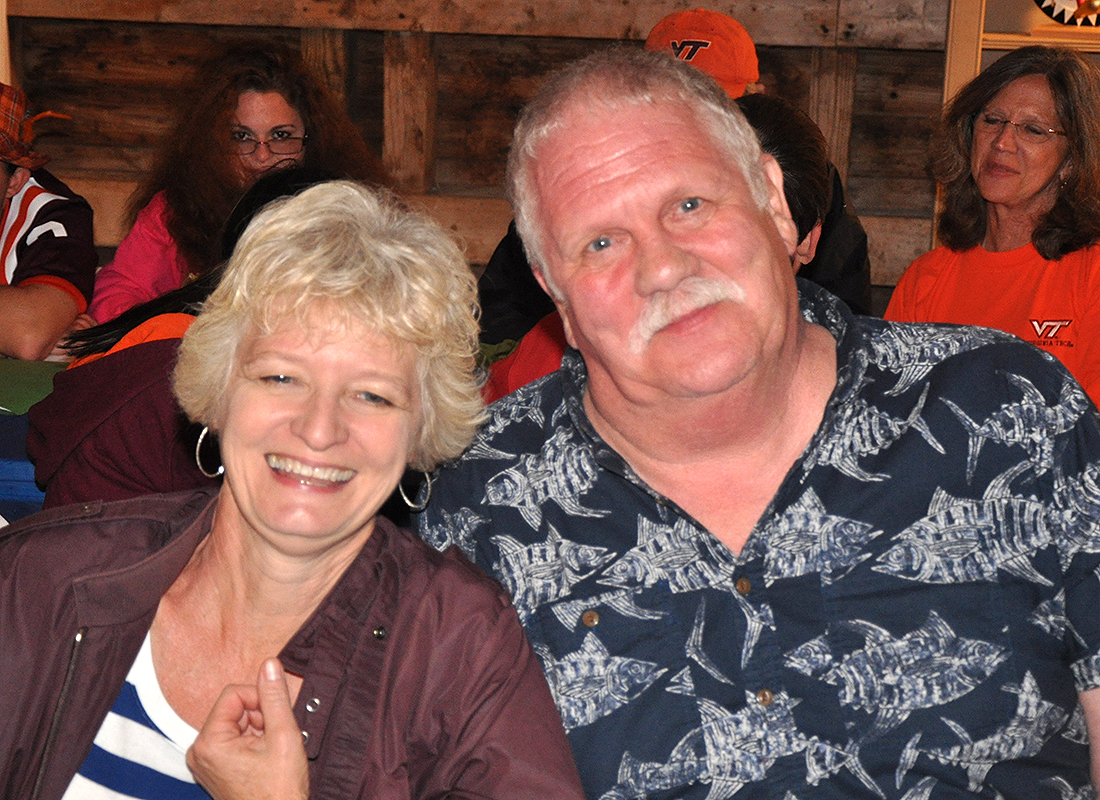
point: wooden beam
(325, 53)
(811, 23)
(892, 24)
(479, 223)
(964, 45)
(408, 111)
(832, 97)
(5, 49)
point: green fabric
(491, 353)
(24, 383)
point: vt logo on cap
(686, 49)
(714, 43)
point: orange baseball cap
(715, 43)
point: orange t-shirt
(1054, 305)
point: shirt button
(313, 704)
(743, 585)
(590, 618)
(380, 632)
(765, 697)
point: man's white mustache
(664, 308)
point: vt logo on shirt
(1048, 329)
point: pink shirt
(147, 264)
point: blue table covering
(18, 494)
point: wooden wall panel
(484, 81)
(120, 82)
(366, 66)
(895, 103)
(787, 72)
(893, 243)
(831, 98)
(409, 100)
(325, 52)
(896, 24)
(811, 23)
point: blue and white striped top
(140, 750)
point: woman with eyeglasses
(250, 110)
(1018, 162)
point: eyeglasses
(244, 145)
(1029, 132)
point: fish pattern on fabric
(911, 618)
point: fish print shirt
(912, 617)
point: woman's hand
(250, 747)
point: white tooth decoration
(306, 472)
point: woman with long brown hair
(255, 108)
(1018, 162)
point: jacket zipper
(55, 723)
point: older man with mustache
(765, 548)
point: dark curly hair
(1074, 221)
(195, 168)
(791, 137)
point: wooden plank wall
(435, 88)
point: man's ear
(17, 181)
(777, 203)
(807, 248)
(555, 296)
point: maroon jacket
(418, 681)
(111, 429)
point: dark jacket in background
(111, 429)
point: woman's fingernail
(271, 669)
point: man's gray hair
(611, 79)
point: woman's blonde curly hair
(336, 254)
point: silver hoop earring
(416, 508)
(198, 457)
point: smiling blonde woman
(321, 650)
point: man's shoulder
(45, 200)
(524, 440)
(921, 347)
(43, 182)
(920, 371)
(536, 409)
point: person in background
(766, 548)
(276, 635)
(512, 303)
(111, 428)
(786, 133)
(252, 109)
(711, 41)
(47, 251)
(1018, 163)
(721, 47)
